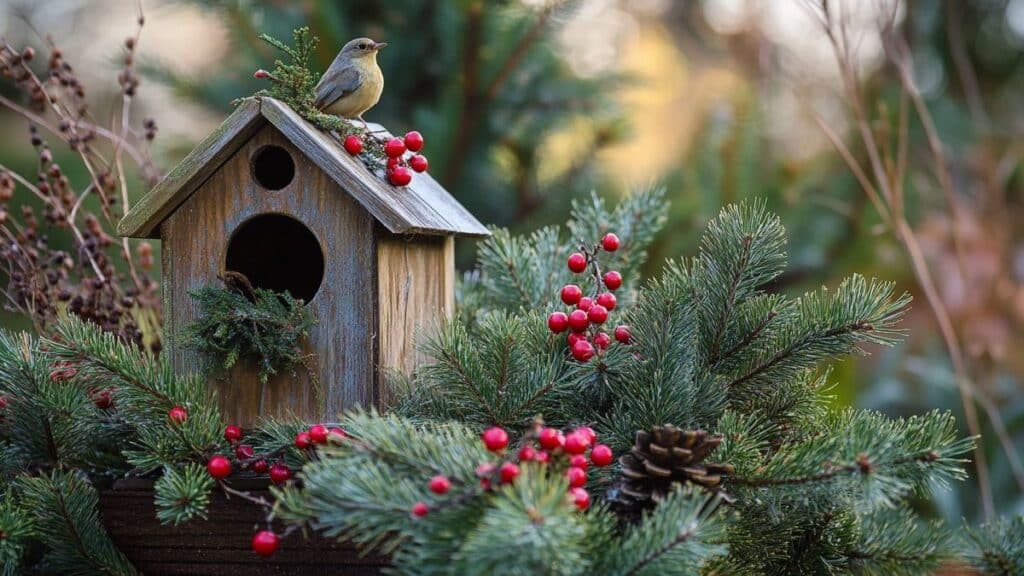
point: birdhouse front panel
(269, 213)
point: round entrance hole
(273, 167)
(278, 253)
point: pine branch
(997, 548)
(182, 494)
(677, 537)
(870, 460)
(504, 373)
(742, 249)
(895, 542)
(529, 525)
(64, 507)
(819, 326)
(18, 531)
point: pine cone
(662, 457)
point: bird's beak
(379, 45)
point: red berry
(318, 434)
(260, 466)
(420, 509)
(612, 280)
(4, 402)
(419, 163)
(622, 334)
(601, 455)
(602, 340)
(440, 484)
(527, 453)
(577, 262)
(586, 303)
(279, 473)
(177, 414)
(392, 162)
(219, 467)
(495, 438)
(244, 452)
(588, 433)
(264, 543)
(580, 498)
(598, 314)
(261, 74)
(577, 477)
(336, 435)
(576, 443)
(582, 350)
(353, 144)
(233, 433)
(578, 321)
(303, 441)
(550, 438)
(574, 337)
(542, 457)
(610, 242)
(509, 471)
(400, 176)
(414, 141)
(558, 322)
(606, 299)
(579, 461)
(101, 398)
(571, 294)
(394, 148)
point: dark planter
(219, 545)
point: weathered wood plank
(415, 290)
(198, 234)
(220, 545)
(144, 219)
(423, 207)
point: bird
(353, 83)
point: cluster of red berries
(399, 166)
(558, 452)
(219, 466)
(587, 337)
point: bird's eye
(362, 46)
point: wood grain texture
(144, 219)
(221, 545)
(416, 289)
(423, 207)
(196, 236)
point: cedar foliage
(268, 328)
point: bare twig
(888, 177)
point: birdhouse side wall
(341, 344)
(416, 289)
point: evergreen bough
(810, 489)
(268, 328)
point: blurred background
(886, 134)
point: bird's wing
(337, 83)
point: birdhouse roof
(423, 207)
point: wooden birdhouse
(271, 196)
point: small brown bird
(354, 82)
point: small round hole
(273, 167)
(278, 253)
